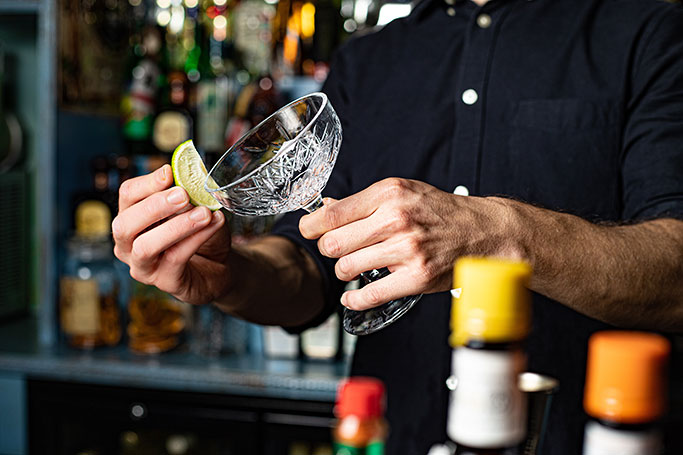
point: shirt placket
(470, 102)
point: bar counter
(178, 370)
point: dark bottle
(625, 393)
(491, 319)
(139, 102)
(173, 124)
(101, 187)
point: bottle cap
(494, 305)
(626, 376)
(360, 396)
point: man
(562, 120)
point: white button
(484, 20)
(450, 11)
(450, 2)
(469, 96)
(461, 190)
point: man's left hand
(414, 229)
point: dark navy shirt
(572, 105)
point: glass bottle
(89, 298)
(491, 319)
(625, 393)
(360, 428)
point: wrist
(513, 229)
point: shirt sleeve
(337, 187)
(652, 164)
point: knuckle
(330, 247)
(140, 251)
(332, 216)
(125, 190)
(172, 257)
(399, 220)
(372, 295)
(118, 253)
(343, 269)
(394, 187)
(138, 276)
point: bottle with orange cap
(361, 428)
(625, 392)
(490, 321)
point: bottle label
(170, 129)
(602, 440)
(374, 448)
(487, 408)
(80, 306)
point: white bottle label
(487, 409)
(602, 440)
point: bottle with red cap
(625, 393)
(361, 428)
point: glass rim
(251, 131)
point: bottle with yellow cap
(89, 308)
(625, 393)
(490, 321)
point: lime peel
(190, 174)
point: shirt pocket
(564, 154)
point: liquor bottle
(490, 320)
(89, 288)
(212, 97)
(101, 189)
(360, 427)
(138, 105)
(173, 124)
(625, 393)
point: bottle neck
(602, 436)
(487, 410)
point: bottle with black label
(488, 412)
(625, 393)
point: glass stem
(314, 204)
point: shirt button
(484, 20)
(450, 2)
(450, 11)
(469, 96)
(461, 190)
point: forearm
(626, 275)
(274, 283)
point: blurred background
(93, 92)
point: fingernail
(216, 217)
(176, 196)
(161, 174)
(343, 300)
(198, 214)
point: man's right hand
(168, 243)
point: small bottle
(90, 314)
(361, 428)
(625, 393)
(490, 320)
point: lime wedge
(190, 174)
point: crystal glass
(282, 165)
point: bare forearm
(275, 283)
(627, 275)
